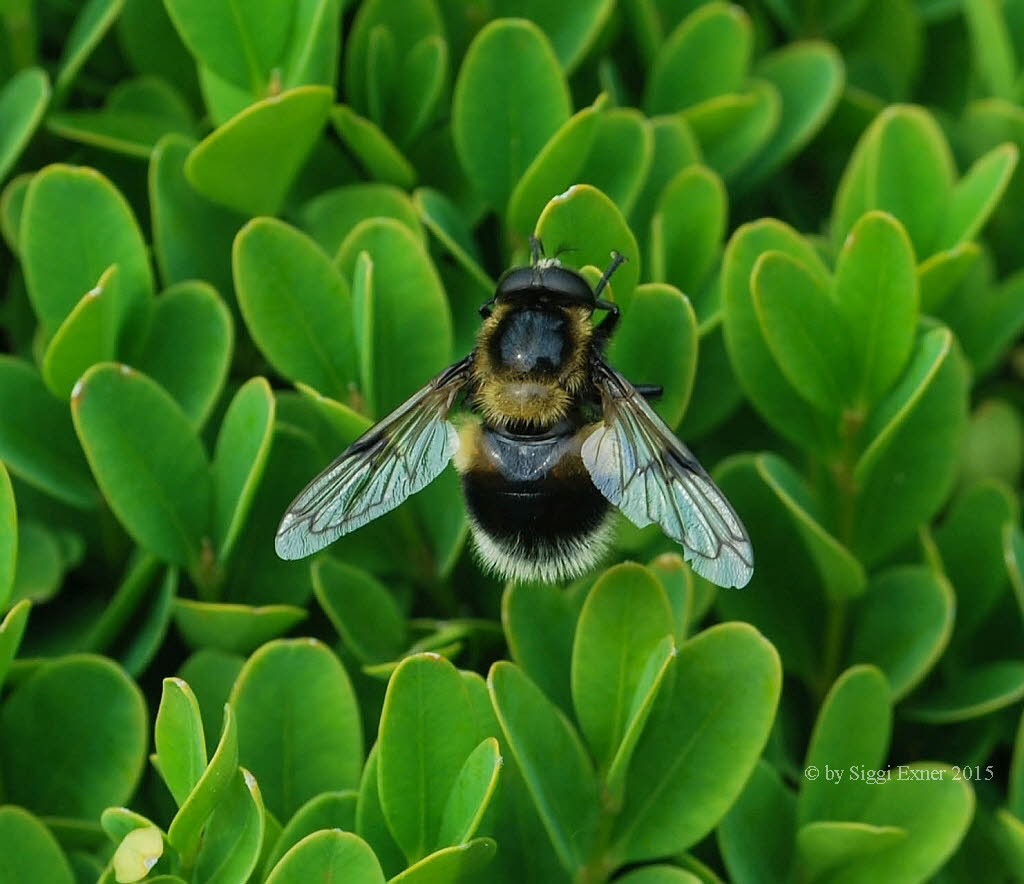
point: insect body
(554, 439)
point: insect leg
(649, 391)
(536, 250)
(604, 329)
(617, 259)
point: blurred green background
(236, 233)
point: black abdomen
(535, 513)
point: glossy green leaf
(659, 874)
(572, 27)
(554, 168)
(240, 456)
(757, 835)
(756, 369)
(328, 855)
(804, 331)
(625, 617)
(321, 716)
(370, 821)
(192, 316)
(93, 20)
(23, 101)
(675, 147)
(250, 162)
(657, 344)
(716, 40)
(677, 581)
(331, 216)
(445, 221)
(88, 335)
(328, 810)
(733, 128)
(12, 204)
(994, 447)
(242, 43)
(179, 739)
(49, 726)
(876, 292)
(970, 693)
(673, 797)
(376, 153)
(565, 797)
(28, 851)
(405, 284)
(40, 563)
(687, 228)
(915, 434)
(287, 285)
(191, 235)
(8, 538)
(237, 629)
(619, 157)
(449, 864)
(361, 609)
(824, 848)
(234, 834)
(589, 223)
(852, 729)
(470, 795)
(501, 122)
(211, 674)
(12, 628)
(426, 734)
(976, 195)
(135, 435)
(943, 272)
(59, 467)
(902, 625)
(809, 78)
(74, 225)
(992, 45)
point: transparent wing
(643, 469)
(395, 458)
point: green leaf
(12, 204)
(370, 822)
(501, 122)
(756, 837)
(28, 852)
(876, 292)
(972, 692)
(716, 40)
(620, 155)
(677, 581)
(249, 163)
(976, 195)
(657, 344)
(470, 796)
(675, 148)
(295, 304)
(405, 284)
(565, 797)
(241, 42)
(332, 215)
(687, 229)
(445, 221)
(40, 563)
(573, 27)
(701, 742)
(8, 539)
(764, 383)
(449, 864)
(539, 624)
(328, 810)
(992, 47)
(994, 447)
(321, 716)
(625, 617)
(234, 834)
(58, 756)
(237, 629)
(186, 828)
(23, 101)
(189, 315)
(852, 731)
(426, 734)
(804, 331)
(659, 874)
(93, 21)
(902, 625)
(211, 674)
(12, 628)
(136, 437)
(180, 740)
(328, 855)
(88, 335)
(554, 168)
(191, 236)
(916, 434)
(243, 445)
(361, 609)
(422, 81)
(589, 223)
(825, 848)
(809, 79)
(372, 148)
(939, 275)
(901, 165)
(74, 225)
(732, 129)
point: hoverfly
(553, 438)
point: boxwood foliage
(237, 233)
